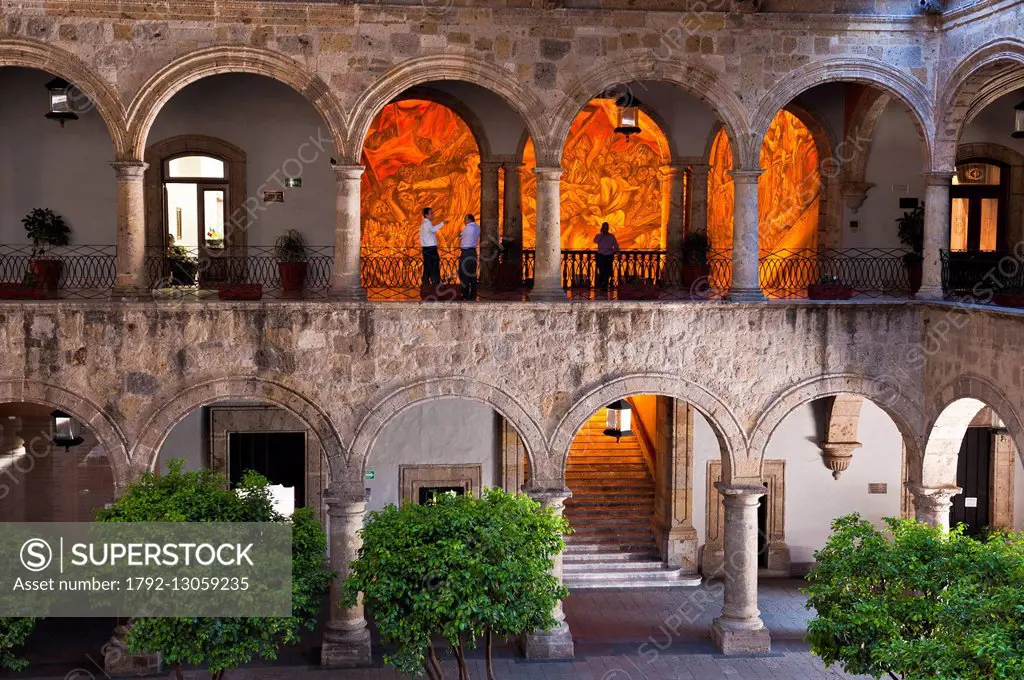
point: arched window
(195, 200)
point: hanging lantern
(619, 419)
(60, 101)
(629, 115)
(67, 431)
(1018, 123)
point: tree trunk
(460, 653)
(490, 654)
(177, 672)
(434, 663)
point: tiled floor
(652, 634)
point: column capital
(837, 456)
(933, 497)
(130, 170)
(512, 165)
(700, 168)
(549, 173)
(746, 175)
(549, 498)
(345, 500)
(740, 494)
(344, 173)
(490, 166)
(938, 179)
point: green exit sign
(293, 182)
(370, 474)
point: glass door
(977, 210)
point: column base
(550, 644)
(548, 294)
(930, 293)
(734, 638)
(347, 294)
(346, 649)
(745, 295)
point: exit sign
(370, 474)
(293, 182)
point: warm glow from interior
(417, 154)
(605, 178)
(789, 191)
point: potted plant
(182, 266)
(1012, 296)
(290, 248)
(45, 228)
(829, 287)
(695, 258)
(911, 231)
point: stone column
(699, 197)
(932, 504)
(489, 238)
(739, 630)
(346, 642)
(345, 281)
(936, 232)
(745, 238)
(557, 642)
(547, 268)
(130, 278)
(672, 522)
(672, 179)
(513, 214)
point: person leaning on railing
(607, 246)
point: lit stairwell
(610, 511)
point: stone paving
(649, 634)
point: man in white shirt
(428, 242)
(469, 240)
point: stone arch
(44, 57)
(85, 411)
(164, 417)
(853, 157)
(908, 90)
(693, 78)
(432, 389)
(195, 66)
(723, 421)
(962, 400)
(423, 70)
(984, 75)
(236, 161)
(881, 390)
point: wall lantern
(67, 431)
(60, 101)
(629, 115)
(1018, 126)
(619, 417)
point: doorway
(978, 213)
(974, 467)
(278, 456)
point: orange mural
(789, 191)
(605, 178)
(417, 154)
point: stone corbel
(837, 456)
(855, 193)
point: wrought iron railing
(182, 268)
(979, 275)
(57, 271)
(870, 272)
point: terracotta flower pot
(241, 291)
(46, 272)
(293, 275)
(1008, 299)
(829, 291)
(915, 273)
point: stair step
(658, 572)
(679, 581)
(602, 556)
(588, 567)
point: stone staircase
(610, 511)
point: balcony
(88, 272)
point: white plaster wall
(446, 431)
(1018, 492)
(45, 166)
(278, 130)
(185, 440)
(995, 123)
(813, 497)
(894, 166)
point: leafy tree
(911, 602)
(460, 567)
(225, 642)
(13, 633)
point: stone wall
(350, 60)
